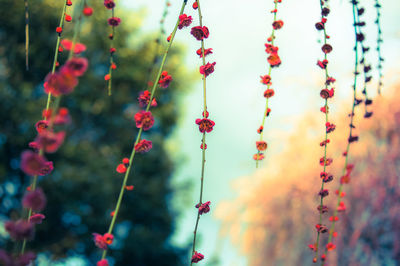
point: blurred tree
(83, 188)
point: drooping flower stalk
(347, 169)
(45, 126)
(144, 121)
(273, 61)
(379, 41)
(26, 35)
(205, 125)
(113, 22)
(364, 49)
(326, 93)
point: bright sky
(238, 31)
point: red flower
(270, 49)
(35, 200)
(341, 207)
(102, 262)
(322, 64)
(144, 120)
(184, 21)
(32, 163)
(144, 98)
(121, 168)
(77, 66)
(206, 52)
(330, 127)
(143, 146)
(102, 241)
(41, 125)
(205, 125)
(197, 257)
(258, 156)
(330, 246)
(261, 145)
(78, 47)
(200, 32)
(204, 208)
(50, 141)
(87, 11)
(266, 79)
(68, 18)
(274, 60)
(125, 161)
(109, 4)
(207, 69)
(195, 5)
(60, 83)
(59, 30)
(164, 80)
(269, 93)
(277, 24)
(37, 218)
(114, 21)
(19, 230)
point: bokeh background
(259, 217)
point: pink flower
(77, 66)
(164, 80)
(258, 156)
(200, 33)
(206, 52)
(204, 208)
(32, 163)
(36, 218)
(102, 241)
(62, 117)
(21, 260)
(143, 146)
(50, 141)
(60, 83)
(121, 168)
(184, 21)
(19, 230)
(144, 98)
(205, 125)
(197, 257)
(207, 69)
(114, 21)
(47, 168)
(102, 262)
(144, 120)
(261, 145)
(41, 125)
(274, 60)
(35, 200)
(78, 47)
(109, 4)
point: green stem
(26, 35)
(268, 86)
(125, 180)
(109, 82)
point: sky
(238, 31)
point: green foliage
(83, 188)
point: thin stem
(26, 35)
(132, 156)
(109, 82)
(378, 44)
(356, 62)
(268, 86)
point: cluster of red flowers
(326, 93)
(113, 22)
(274, 61)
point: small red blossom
(69, 3)
(200, 33)
(121, 168)
(326, 48)
(195, 5)
(322, 64)
(144, 98)
(129, 188)
(322, 209)
(278, 24)
(41, 125)
(59, 30)
(184, 21)
(270, 49)
(341, 207)
(87, 11)
(50, 141)
(266, 79)
(207, 69)
(261, 145)
(32, 163)
(102, 262)
(206, 52)
(20, 229)
(258, 156)
(109, 4)
(77, 66)
(164, 80)
(260, 129)
(268, 112)
(103, 241)
(125, 161)
(143, 146)
(330, 127)
(107, 77)
(269, 93)
(78, 47)
(60, 83)
(68, 18)
(274, 60)
(114, 21)
(333, 218)
(197, 257)
(330, 246)
(205, 125)
(324, 109)
(144, 120)
(205, 146)
(326, 94)
(35, 200)
(37, 218)
(169, 38)
(204, 208)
